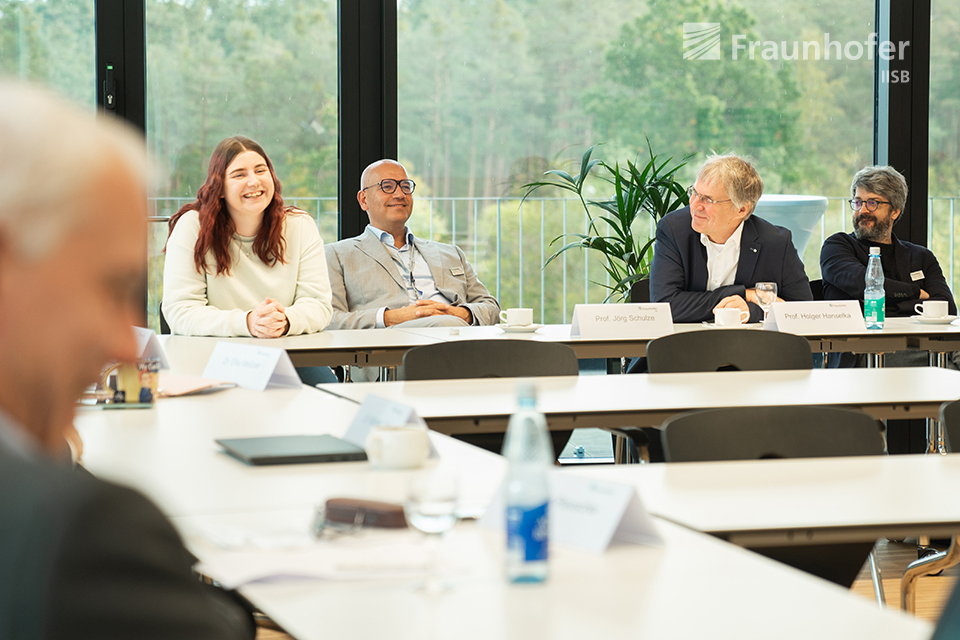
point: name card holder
(149, 346)
(816, 317)
(587, 513)
(380, 412)
(628, 320)
(251, 366)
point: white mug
(932, 308)
(729, 316)
(397, 447)
(517, 317)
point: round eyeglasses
(871, 204)
(389, 185)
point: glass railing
(508, 245)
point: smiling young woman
(238, 262)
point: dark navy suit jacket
(679, 271)
(843, 263)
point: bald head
(371, 175)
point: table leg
(388, 374)
(621, 450)
(877, 579)
(926, 566)
(935, 439)
(875, 360)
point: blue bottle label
(527, 530)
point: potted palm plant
(638, 191)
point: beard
(877, 232)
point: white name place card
(251, 366)
(587, 513)
(815, 317)
(149, 346)
(629, 320)
(380, 412)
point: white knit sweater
(202, 304)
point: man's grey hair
(50, 152)
(885, 181)
(373, 166)
(739, 177)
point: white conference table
(759, 503)
(569, 402)
(168, 452)
(897, 334)
(682, 589)
(386, 347)
(361, 347)
(693, 586)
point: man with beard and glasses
(911, 272)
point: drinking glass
(766, 296)
(431, 508)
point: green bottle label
(873, 310)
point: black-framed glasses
(691, 193)
(389, 185)
(871, 204)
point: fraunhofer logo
(701, 41)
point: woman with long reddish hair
(238, 262)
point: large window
(266, 70)
(944, 200)
(51, 43)
(491, 94)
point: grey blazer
(363, 278)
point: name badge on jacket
(457, 271)
(916, 275)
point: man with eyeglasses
(911, 272)
(385, 276)
(711, 253)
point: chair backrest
(728, 349)
(816, 288)
(950, 419)
(164, 327)
(754, 433)
(489, 359)
(640, 291)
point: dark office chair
(640, 291)
(752, 433)
(950, 421)
(728, 350)
(489, 359)
(464, 359)
(164, 327)
(816, 288)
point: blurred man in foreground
(79, 558)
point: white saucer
(520, 328)
(926, 320)
(748, 325)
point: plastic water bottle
(529, 451)
(873, 295)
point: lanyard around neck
(411, 264)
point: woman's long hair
(216, 225)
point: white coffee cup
(397, 447)
(517, 317)
(932, 308)
(729, 316)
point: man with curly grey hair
(911, 272)
(711, 254)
